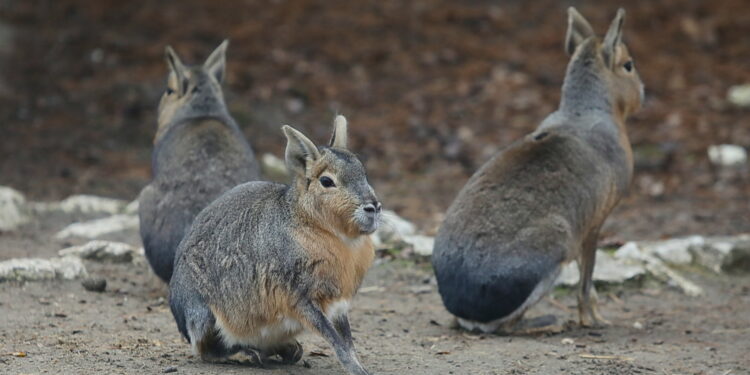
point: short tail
(485, 287)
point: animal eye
(170, 91)
(326, 182)
(628, 65)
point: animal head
(611, 60)
(331, 183)
(192, 91)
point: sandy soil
(398, 320)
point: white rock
(132, 208)
(394, 228)
(739, 95)
(567, 341)
(607, 269)
(12, 209)
(727, 155)
(630, 250)
(274, 168)
(116, 252)
(721, 254)
(99, 227)
(422, 244)
(654, 265)
(638, 325)
(674, 251)
(568, 275)
(34, 269)
(82, 203)
(92, 204)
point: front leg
(341, 323)
(317, 320)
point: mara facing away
(199, 153)
(540, 202)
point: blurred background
(431, 88)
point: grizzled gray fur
(265, 260)
(199, 153)
(541, 201)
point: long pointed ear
(300, 151)
(176, 66)
(613, 39)
(216, 63)
(338, 139)
(578, 30)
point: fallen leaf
(315, 353)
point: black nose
(373, 207)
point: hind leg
(198, 324)
(588, 312)
(290, 352)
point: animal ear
(578, 30)
(613, 39)
(216, 63)
(176, 66)
(338, 139)
(300, 151)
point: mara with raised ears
(266, 261)
(540, 202)
(199, 153)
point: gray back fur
(199, 154)
(529, 208)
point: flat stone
(86, 204)
(99, 227)
(132, 208)
(274, 168)
(12, 209)
(115, 252)
(727, 155)
(607, 269)
(656, 267)
(673, 251)
(724, 254)
(739, 95)
(393, 229)
(422, 244)
(37, 269)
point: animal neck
(178, 123)
(584, 90)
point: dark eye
(327, 182)
(628, 65)
(169, 91)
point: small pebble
(170, 369)
(94, 284)
(638, 325)
(567, 341)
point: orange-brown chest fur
(337, 264)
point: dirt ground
(398, 320)
(432, 88)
